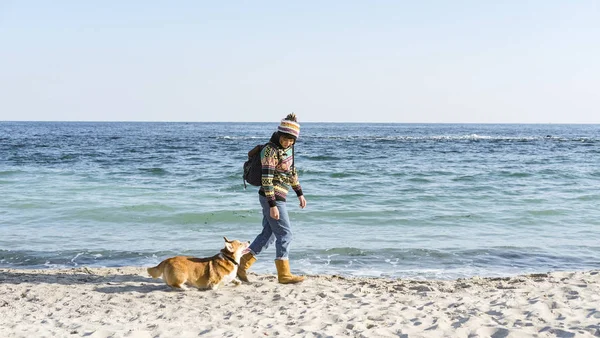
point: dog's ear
(226, 240)
(229, 247)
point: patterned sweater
(277, 173)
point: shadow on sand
(107, 282)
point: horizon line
(309, 122)
(313, 122)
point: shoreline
(126, 302)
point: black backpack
(253, 166)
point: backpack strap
(274, 147)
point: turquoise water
(400, 200)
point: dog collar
(230, 259)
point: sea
(418, 201)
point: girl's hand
(302, 201)
(274, 212)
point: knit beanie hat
(290, 126)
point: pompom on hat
(290, 126)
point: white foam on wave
(229, 137)
(74, 258)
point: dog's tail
(156, 271)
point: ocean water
(395, 200)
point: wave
(412, 138)
(390, 262)
(322, 158)
(445, 263)
(4, 173)
(29, 259)
(449, 138)
(70, 258)
(345, 175)
(155, 213)
(264, 138)
(514, 174)
(154, 171)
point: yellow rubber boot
(245, 263)
(283, 272)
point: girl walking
(278, 173)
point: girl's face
(286, 142)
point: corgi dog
(202, 273)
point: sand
(125, 302)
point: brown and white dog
(202, 273)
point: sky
(398, 61)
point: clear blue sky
(357, 61)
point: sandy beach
(125, 302)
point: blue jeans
(279, 231)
